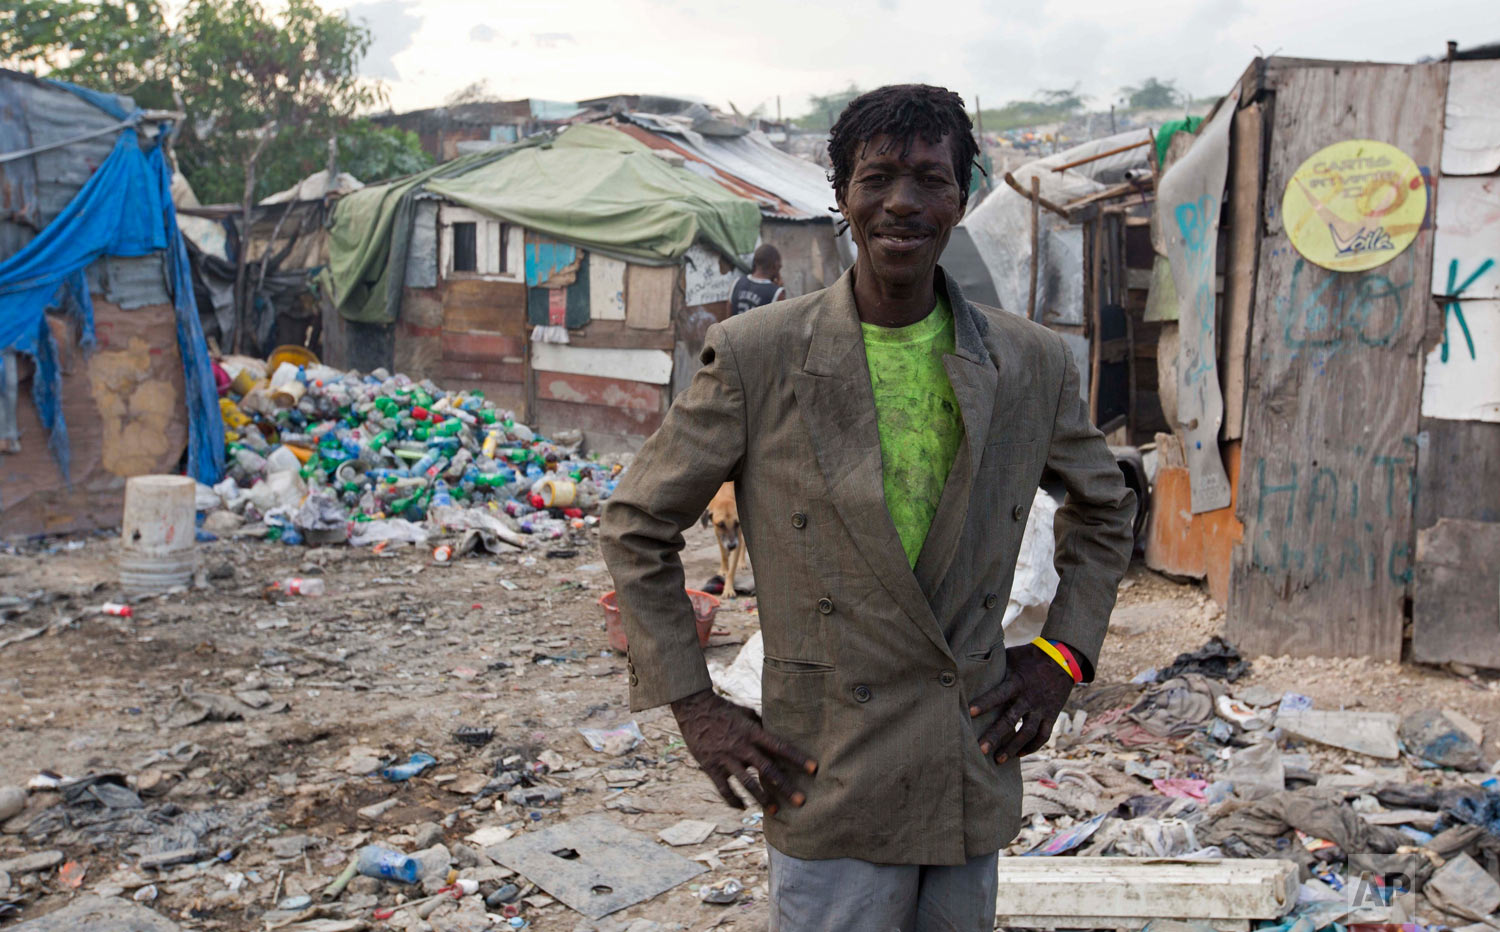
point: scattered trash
(1177, 706)
(687, 832)
(299, 586)
(1463, 888)
(1217, 660)
(1241, 714)
(1293, 702)
(12, 801)
(1434, 737)
(71, 874)
(490, 835)
(385, 864)
(474, 736)
(416, 764)
(614, 741)
(1369, 733)
(740, 681)
(1181, 788)
(722, 893)
(529, 797)
(117, 609)
(1257, 770)
(292, 903)
(316, 453)
(1068, 839)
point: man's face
(901, 208)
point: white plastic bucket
(157, 533)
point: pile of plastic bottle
(382, 446)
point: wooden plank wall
(609, 380)
(482, 341)
(1335, 370)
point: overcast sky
(750, 51)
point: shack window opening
(503, 267)
(465, 247)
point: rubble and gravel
(217, 756)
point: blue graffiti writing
(1452, 306)
(1342, 311)
(1198, 221)
(1311, 520)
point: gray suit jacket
(870, 664)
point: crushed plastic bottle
(385, 864)
(296, 585)
(414, 765)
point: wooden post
(242, 316)
(1036, 220)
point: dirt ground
(397, 656)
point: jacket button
(862, 694)
(1018, 512)
(825, 606)
(799, 520)
(947, 678)
(991, 600)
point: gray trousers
(849, 895)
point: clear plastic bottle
(375, 861)
(250, 461)
(297, 585)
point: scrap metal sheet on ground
(1190, 197)
(595, 866)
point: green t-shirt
(918, 418)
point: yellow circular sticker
(1354, 205)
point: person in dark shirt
(762, 285)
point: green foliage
(824, 109)
(120, 45)
(241, 73)
(1153, 94)
(1065, 99)
(1053, 106)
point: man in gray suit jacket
(886, 438)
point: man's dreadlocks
(903, 112)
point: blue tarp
(124, 209)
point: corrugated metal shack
(1335, 468)
(478, 289)
(124, 402)
(442, 129)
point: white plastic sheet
(1030, 596)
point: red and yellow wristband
(1059, 651)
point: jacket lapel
(834, 395)
(975, 379)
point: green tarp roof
(591, 185)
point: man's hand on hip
(727, 741)
(1033, 693)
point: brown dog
(724, 515)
